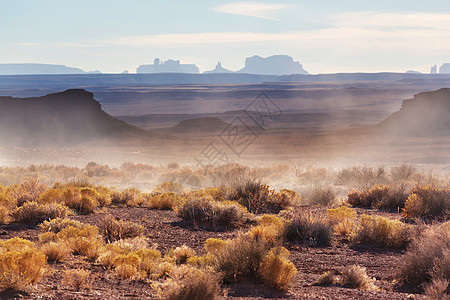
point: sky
(326, 36)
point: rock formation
(170, 66)
(39, 69)
(62, 119)
(444, 69)
(272, 65)
(427, 114)
(218, 69)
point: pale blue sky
(326, 36)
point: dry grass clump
(428, 202)
(275, 269)
(270, 230)
(58, 224)
(250, 257)
(83, 240)
(55, 251)
(343, 219)
(168, 187)
(182, 254)
(34, 213)
(328, 278)
(379, 196)
(168, 200)
(311, 228)
(188, 283)
(381, 232)
(78, 278)
(113, 229)
(437, 289)
(428, 257)
(320, 195)
(129, 195)
(356, 277)
(21, 265)
(207, 213)
(362, 177)
(28, 190)
(258, 197)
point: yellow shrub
(182, 253)
(149, 260)
(356, 277)
(4, 215)
(58, 224)
(382, 232)
(165, 201)
(126, 265)
(428, 202)
(33, 213)
(213, 246)
(55, 252)
(168, 187)
(47, 237)
(82, 240)
(275, 269)
(16, 244)
(79, 278)
(20, 267)
(343, 219)
(51, 196)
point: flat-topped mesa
(272, 65)
(64, 118)
(427, 114)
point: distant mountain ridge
(39, 69)
(427, 114)
(272, 65)
(65, 118)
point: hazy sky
(326, 36)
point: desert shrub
(150, 259)
(275, 269)
(34, 213)
(168, 187)
(78, 278)
(4, 215)
(7, 199)
(362, 177)
(190, 284)
(327, 278)
(207, 213)
(47, 237)
(28, 190)
(240, 256)
(82, 240)
(182, 253)
(58, 224)
(311, 228)
(214, 246)
(343, 219)
(428, 202)
(129, 195)
(167, 200)
(403, 172)
(269, 229)
(21, 265)
(258, 197)
(113, 229)
(356, 277)
(126, 265)
(55, 251)
(381, 232)
(437, 289)
(428, 256)
(132, 244)
(320, 195)
(380, 197)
